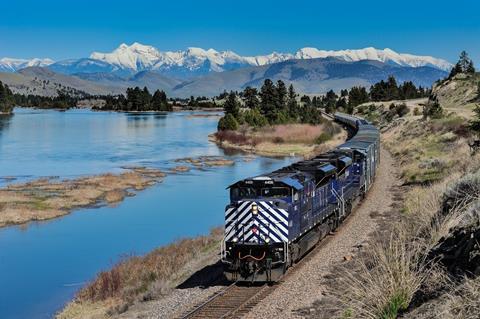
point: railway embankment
(422, 261)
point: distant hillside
(42, 81)
(309, 76)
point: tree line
(6, 99)
(277, 104)
(347, 100)
(272, 104)
(137, 99)
(61, 101)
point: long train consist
(274, 219)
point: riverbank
(48, 198)
(134, 282)
(282, 140)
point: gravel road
(306, 285)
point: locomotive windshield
(273, 192)
(237, 193)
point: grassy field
(282, 140)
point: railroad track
(232, 302)
(236, 300)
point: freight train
(274, 219)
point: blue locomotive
(274, 219)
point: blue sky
(72, 29)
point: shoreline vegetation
(143, 278)
(48, 198)
(282, 140)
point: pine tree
(268, 99)
(6, 99)
(281, 96)
(392, 89)
(292, 104)
(464, 65)
(228, 122)
(432, 109)
(358, 95)
(306, 100)
(330, 101)
(159, 101)
(231, 105)
(250, 97)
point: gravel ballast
(307, 284)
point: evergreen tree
(228, 122)
(281, 96)
(306, 100)
(432, 109)
(464, 65)
(250, 97)
(159, 101)
(344, 93)
(330, 101)
(408, 90)
(6, 99)
(391, 88)
(231, 105)
(357, 95)
(292, 103)
(268, 99)
(342, 104)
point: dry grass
(44, 199)
(153, 274)
(288, 133)
(282, 140)
(464, 301)
(387, 278)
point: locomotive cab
(257, 227)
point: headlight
(267, 240)
(254, 209)
(235, 239)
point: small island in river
(47, 198)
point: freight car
(272, 220)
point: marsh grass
(281, 134)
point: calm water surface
(43, 264)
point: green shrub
(254, 118)
(322, 138)
(228, 122)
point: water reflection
(4, 122)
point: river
(43, 264)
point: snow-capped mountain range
(12, 65)
(130, 59)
